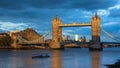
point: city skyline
(37, 14)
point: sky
(38, 14)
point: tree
(5, 39)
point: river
(68, 58)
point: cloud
(43, 9)
(38, 14)
(114, 10)
(52, 4)
(110, 24)
(115, 13)
(87, 27)
(114, 7)
(103, 12)
(68, 31)
(29, 13)
(9, 26)
(14, 4)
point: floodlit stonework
(57, 32)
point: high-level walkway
(75, 25)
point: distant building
(3, 34)
(68, 37)
(15, 31)
(76, 37)
(63, 38)
(82, 39)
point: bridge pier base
(56, 46)
(95, 47)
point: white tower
(76, 37)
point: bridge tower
(14, 37)
(95, 43)
(56, 33)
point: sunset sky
(38, 14)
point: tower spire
(57, 17)
(96, 14)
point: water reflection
(56, 59)
(95, 58)
(14, 61)
(18, 58)
(69, 58)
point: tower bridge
(57, 42)
(57, 32)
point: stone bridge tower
(56, 33)
(14, 38)
(95, 43)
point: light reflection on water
(95, 59)
(68, 58)
(56, 59)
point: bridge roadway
(75, 25)
(110, 42)
(67, 42)
(78, 42)
(75, 42)
(43, 43)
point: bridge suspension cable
(47, 34)
(110, 35)
(36, 40)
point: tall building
(81, 39)
(68, 37)
(76, 37)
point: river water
(68, 58)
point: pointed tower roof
(15, 30)
(57, 18)
(96, 16)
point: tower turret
(95, 43)
(96, 28)
(56, 32)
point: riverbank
(23, 47)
